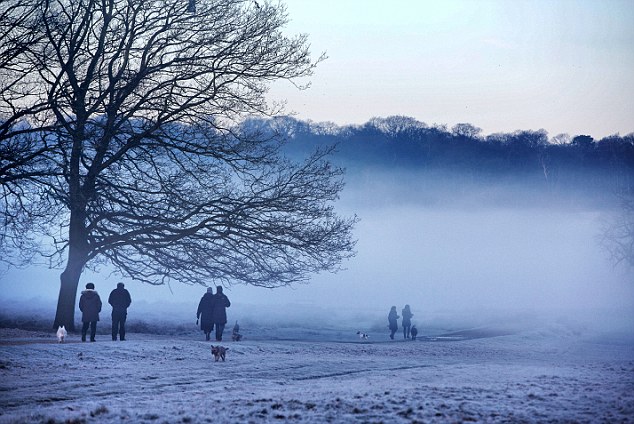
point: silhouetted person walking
(120, 300)
(221, 303)
(90, 306)
(392, 319)
(206, 313)
(407, 321)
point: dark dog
(219, 352)
(414, 332)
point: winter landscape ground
(552, 372)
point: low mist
(491, 255)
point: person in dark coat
(221, 303)
(205, 313)
(120, 300)
(392, 318)
(407, 321)
(90, 306)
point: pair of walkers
(393, 317)
(90, 306)
(212, 312)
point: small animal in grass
(61, 334)
(219, 352)
(362, 335)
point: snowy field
(548, 374)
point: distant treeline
(402, 142)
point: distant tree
(288, 126)
(120, 143)
(525, 149)
(530, 139)
(466, 130)
(561, 139)
(583, 141)
(396, 125)
(327, 129)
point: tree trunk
(69, 280)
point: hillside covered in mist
(569, 168)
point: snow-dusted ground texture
(548, 375)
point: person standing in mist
(392, 319)
(120, 300)
(205, 313)
(90, 306)
(407, 321)
(221, 303)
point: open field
(477, 375)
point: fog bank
(466, 263)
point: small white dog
(61, 334)
(362, 336)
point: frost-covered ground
(538, 375)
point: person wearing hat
(120, 300)
(90, 306)
(205, 313)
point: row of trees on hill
(404, 142)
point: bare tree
(466, 130)
(134, 109)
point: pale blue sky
(565, 66)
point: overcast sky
(564, 66)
